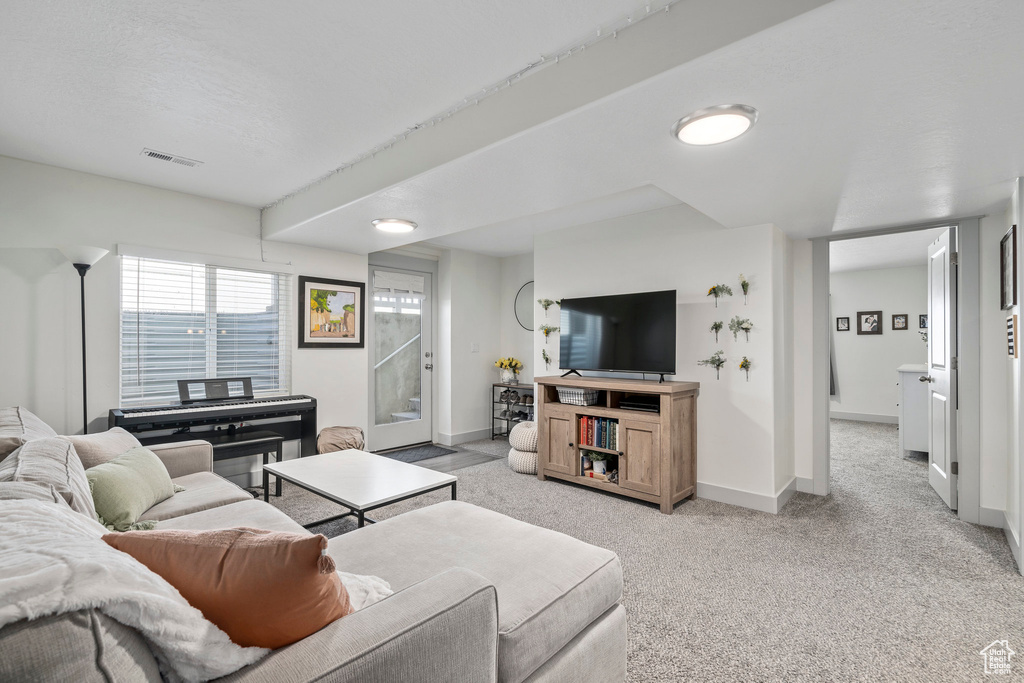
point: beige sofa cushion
(96, 449)
(78, 646)
(250, 513)
(51, 461)
(17, 427)
(203, 490)
(550, 586)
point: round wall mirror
(524, 306)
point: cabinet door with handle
(561, 445)
(640, 462)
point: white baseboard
(464, 437)
(864, 417)
(1013, 541)
(746, 499)
(805, 485)
(991, 517)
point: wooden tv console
(656, 452)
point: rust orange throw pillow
(262, 588)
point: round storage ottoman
(523, 440)
(522, 462)
(523, 437)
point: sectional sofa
(478, 597)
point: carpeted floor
(877, 581)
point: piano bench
(246, 443)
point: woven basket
(577, 397)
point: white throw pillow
(17, 427)
(51, 461)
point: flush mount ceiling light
(394, 225)
(715, 124)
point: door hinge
(954, 258)
(954, 363)
(954, 467)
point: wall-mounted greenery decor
(716, 361)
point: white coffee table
(357, 480)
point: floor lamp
(83, 258)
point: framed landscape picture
(1008, 269)
(843, 324)
(900, 321)
(332, 313)
(869, 322)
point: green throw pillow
(125, 487)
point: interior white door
(401, 356)
(941, 376)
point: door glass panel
(397, 355)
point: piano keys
(282, 411)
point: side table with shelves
(510, 403)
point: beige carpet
(877, 581)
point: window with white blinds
(193, 321)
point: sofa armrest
(442, 629)
(184, 457)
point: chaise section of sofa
(551, 587)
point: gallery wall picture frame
(900, 321)
(869, 322)
(1008, 269)
(843, 324)
(922, 321)
(332, 313)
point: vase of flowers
(745, 366)
(508, 370)
(716, 327)
(546, 357)
(716, 361)
(745, 286)
(547, 330)
(738, 324)
(719, 291)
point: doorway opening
(846, 329)
(401, 341)
(892, 402)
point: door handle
(429, 366)
(925, 378)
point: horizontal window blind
(194, 321)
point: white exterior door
(941, 377)
(401, 356)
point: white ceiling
(872, 112)
(270, 95)
(882, 251)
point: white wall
(470, 342)
(866, 364)
(803, 387)
(43, 207)
(996, 368)
(741, 445)
(516, 271)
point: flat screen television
(621, 333)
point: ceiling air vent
(174, 159)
